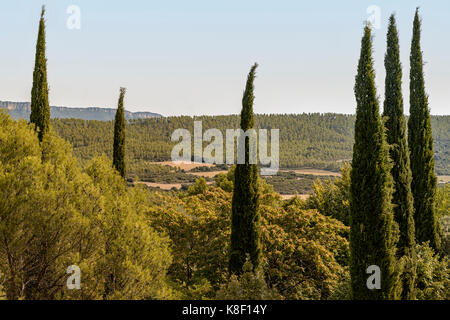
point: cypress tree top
(247, 119)
(40, 108)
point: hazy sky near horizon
(192, 57)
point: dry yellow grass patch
(443, 179)
(182, 165)
(208, 174)
(290, 196)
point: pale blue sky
(192, 57)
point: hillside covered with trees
(155, 241)
(321, 141)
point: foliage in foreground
(250, 285)
(45, 197)
(53, 215)
(304, 253)
(433, 272)
(331, 197)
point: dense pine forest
(378, 231)
(321, 141)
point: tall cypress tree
(119, 137)
(40, 108)
(119, 165)
(420, 141)
(396, 137)
(245, 219)
(372, 225)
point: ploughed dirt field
(193, 165)
(290, 196)
(211, 174)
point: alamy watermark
(74, 20)
(213, 153)
(374, 281)
(74, 280)
(374, 18)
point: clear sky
(179, 57)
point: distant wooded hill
(21, 110)
(321, 141)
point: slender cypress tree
(40, 117)
(372, 225)
(245, 219)
(399, 152)
(40, 108)
(119, 137)
(420, 141)
(119, 165)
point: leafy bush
(433, 275)
(305, 253)
(54, 215)
(332, 197)
(249, 286)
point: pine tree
(119, 137)
(372, 225)
(396, 136)
(245, 220)
(420, 141)
(40, 108)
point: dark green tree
(372, 226)
(420, 141)
(401, 173)
(119, 137)
(245, 219)
(40, 108)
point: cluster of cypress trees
(392, 186)
(40, 107)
